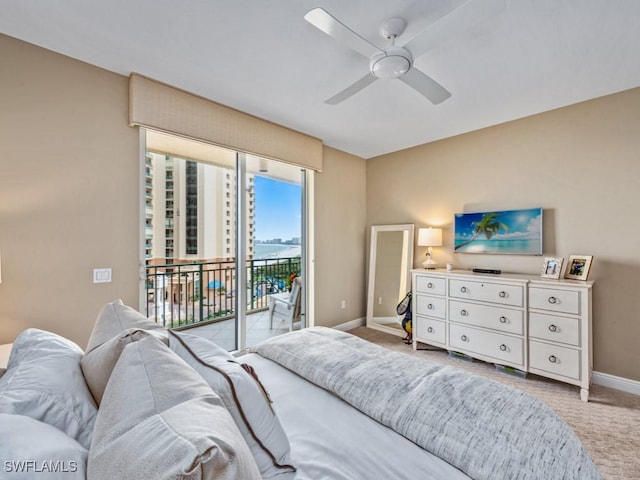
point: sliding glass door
(275, 252)
(223, 234)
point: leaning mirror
(390, 262)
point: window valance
(158, 106)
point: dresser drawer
(554, 328)
(430, 330)
(554, 359)
(433, 285)
(430, 306)
(496, 318)
(494, 345)
(487, 292)
(555, 300)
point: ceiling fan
(396, 62)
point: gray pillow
(98, 364)
(245, 398)
(44, 381)
(114, 318)
(159, 420)
(33, 449)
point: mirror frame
(409, 229)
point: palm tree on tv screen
(487, 226)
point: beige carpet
(608, 425)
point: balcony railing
(188, 294)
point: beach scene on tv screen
(516, 232)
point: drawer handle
(503, 319)
(553, 359)
(429, 285)
(553, 300)
(463, 289)
(502, 294)
(503, 347)
(464, 338)
(553, 328)
(464, 313)
(430, 329)
(430, 306)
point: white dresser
(535, 325)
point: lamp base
(430, 264)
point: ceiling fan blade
(352, 89)
(322, 20)
(452, 24)
(425, 85)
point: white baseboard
(358, 322)
(618, 383)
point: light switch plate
(101, 275)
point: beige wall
(69, 196)
(580, 163)
(340, 239)
(69, 200)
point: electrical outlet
(343, 304)
(379, 300)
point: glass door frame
(306, 264)
(241, 254)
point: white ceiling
(262, 57)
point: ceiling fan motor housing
(393, 63)
(392, 28)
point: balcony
(224, 332)
(185, 295)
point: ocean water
(515, 247)
(275, 250)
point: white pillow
(98, 364)
(244, 397)
(44, 381)
(114, 318)
(159, 420)
(33, 449)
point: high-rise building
(190, 211)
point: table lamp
(429, 237)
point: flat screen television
(510, 232)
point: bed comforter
(486, 429)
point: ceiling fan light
(393, 63)
(390, 67)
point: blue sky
(277, 209)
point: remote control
(487, 270)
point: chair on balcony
(286, 306)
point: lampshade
(430, 237)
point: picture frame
(578, 267)
(552, 267)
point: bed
(324, 430)
(431, 421)
(316, 404)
